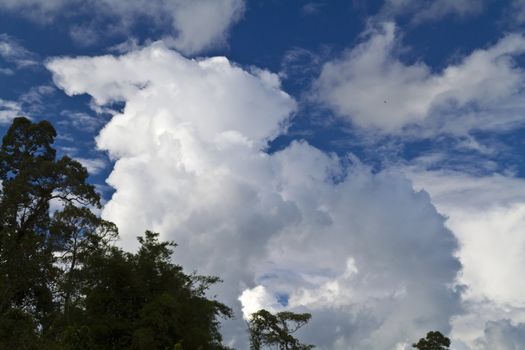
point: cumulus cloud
(502, 335)
(201, 24)
(365, 253)
(487, 215)
(372, 86)
(193, 26)
(257, 298)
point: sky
(360, 160)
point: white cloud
(93, 165)
(204, 23)
(258, 298)
(373, 87)
(198, 88)
(36, 94)
(11, 51)
(9, 110)
(470, 330)
(193, 25)
(368, 256)
(502, 335)
(487, 215)
(33, 101)
(81, 121)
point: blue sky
(359, 160)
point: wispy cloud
(93, 165)
(81, 121)
(312, 7)
(11, 51)
(9, 110)
(516, 11)
(421, 11)
(191, 26)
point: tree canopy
(267, 330)
(433, 341)
(65, 285)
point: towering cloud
(487, 215)
(368, 256)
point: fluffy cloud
(373, 87)
(193, 25)
(201, 24)
(368, 256)
(502, 335)
(487, 215)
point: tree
(144, 301)
(79, 234)
(433, 341)
(63, 283)
(267, 329)
(32, 178)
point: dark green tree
(65, 285)
(32, 178)
(267, 330)
(144, 301)
(79, 234)
(433, 341)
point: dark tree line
(64, 285)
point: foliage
(32, 178)
(143, 301)
(267, 329)
(433, 341)
(64, 285)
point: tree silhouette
(64, 285)
(267, 329)
(32, 177)
(433, 341)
